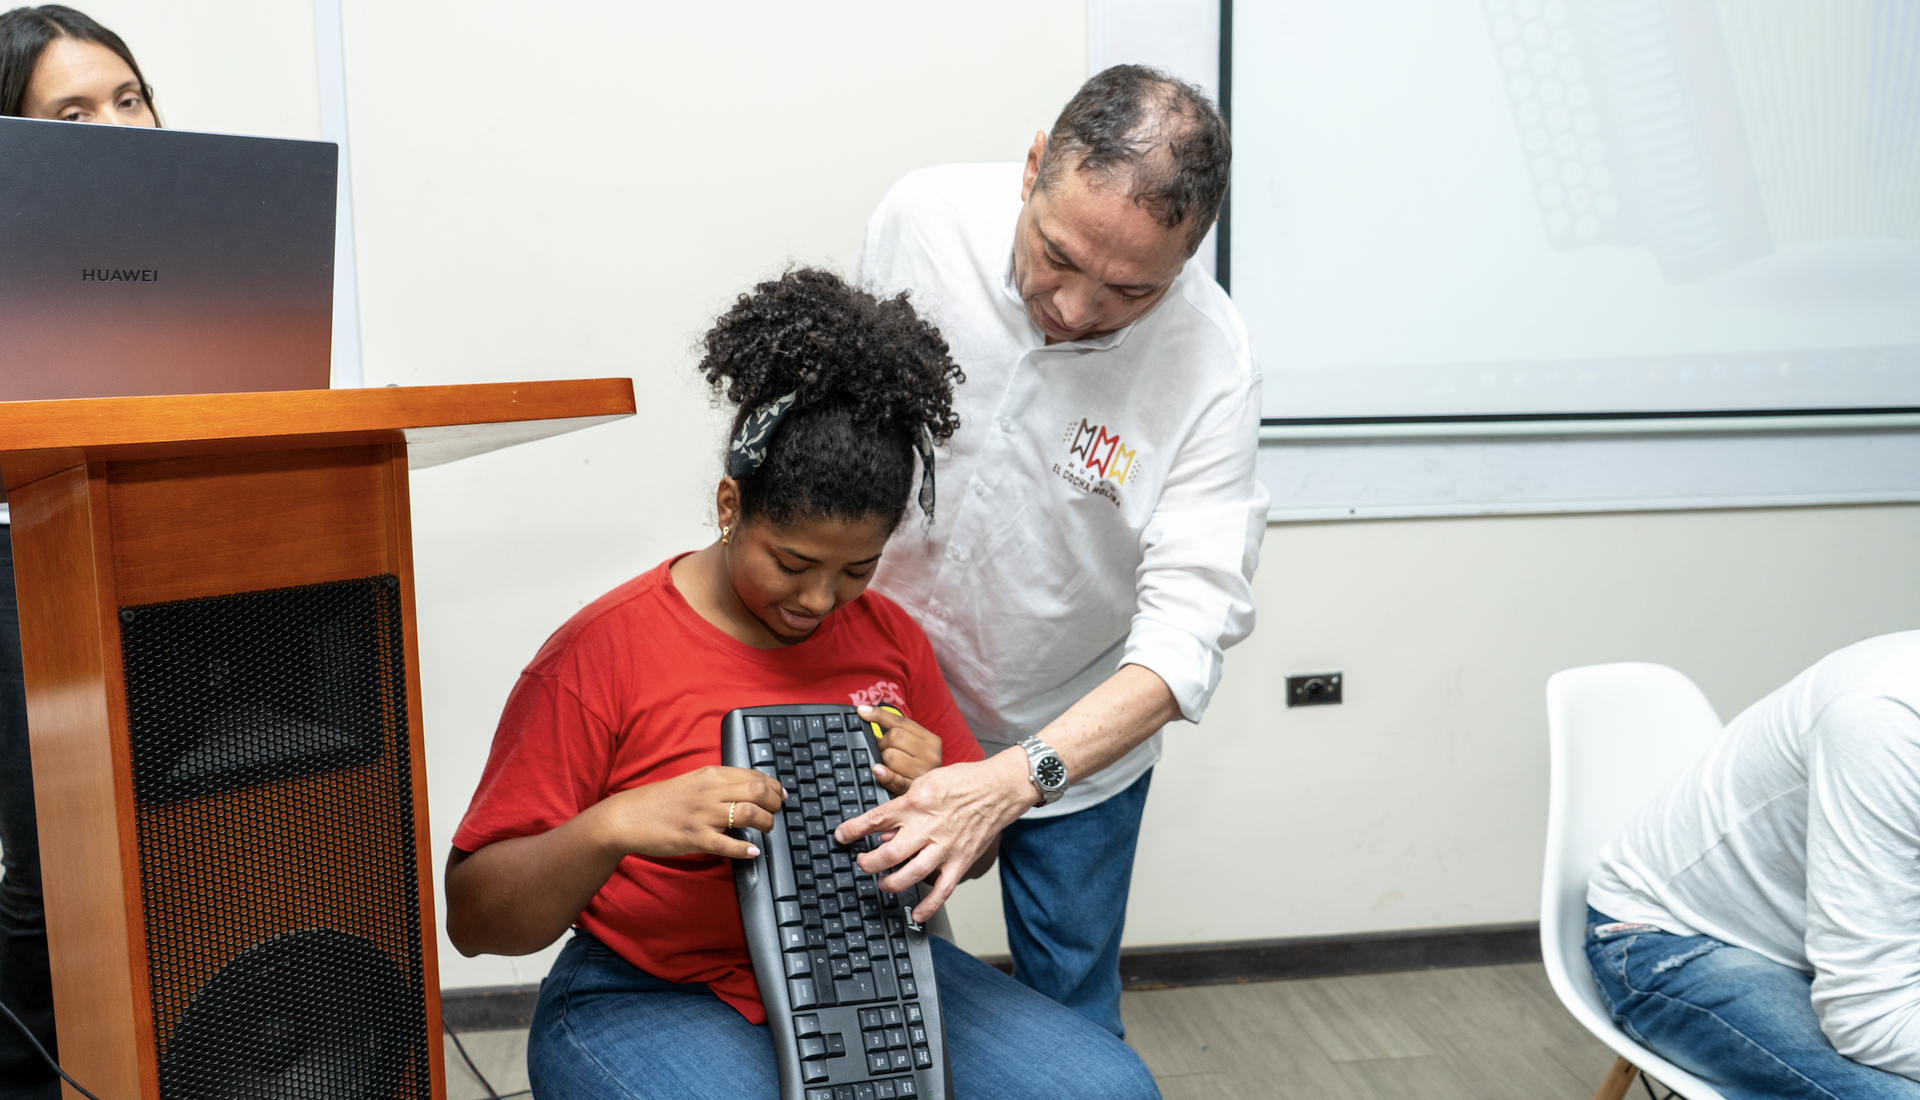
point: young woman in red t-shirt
(603, 806)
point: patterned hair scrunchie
(749, 447)
(755, 437)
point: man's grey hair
(1157, 136)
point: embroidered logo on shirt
(1098, 460)
(1102, 450)
(886, 691)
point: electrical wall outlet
(1313, 689)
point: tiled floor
(1485, 1033)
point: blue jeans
(605, 1029)
(1732, 1017)
(1063, 886)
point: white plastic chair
(1616, 734)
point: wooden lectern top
(438, 423)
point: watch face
(1051, 771)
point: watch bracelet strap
(1035, 748)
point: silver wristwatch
(1045, 770)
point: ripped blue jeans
(1732, 1017)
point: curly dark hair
(869, 374)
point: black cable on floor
(28, 1032)
(475, 1070)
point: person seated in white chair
(1758, 923)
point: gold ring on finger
(730, 809)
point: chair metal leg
(1619, 1079)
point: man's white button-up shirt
(1112, 518)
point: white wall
(1421, 800)
(575, 192)
(233, 66)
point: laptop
(136, 261)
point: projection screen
(1448, 208)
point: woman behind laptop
(603, 806)
(55, 63)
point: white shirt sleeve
(1863, 879)
(1198, 553)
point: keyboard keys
(843, 939)
(883, 980)
(854, 990)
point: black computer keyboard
(845, 972)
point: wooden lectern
(216, 610)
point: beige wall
(574, 191)
(232, 66)
(1421, 800)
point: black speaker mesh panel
(274, 816)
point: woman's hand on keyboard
(907, 749)
(687, 815)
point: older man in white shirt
(1093, 551)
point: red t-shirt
(630, 691)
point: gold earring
(724, 532)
